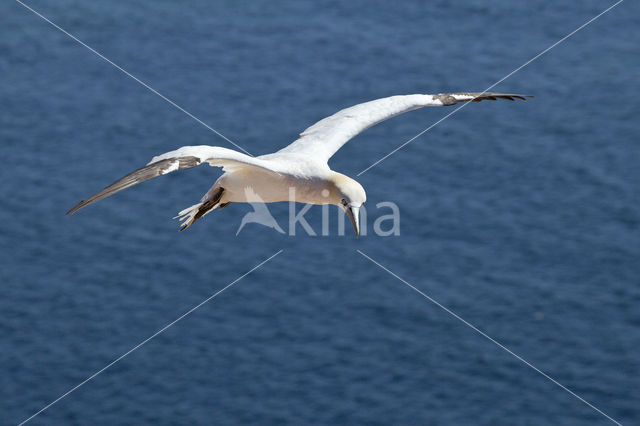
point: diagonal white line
(127, 73)
(150, 337)
(493, 85)
(483, 334)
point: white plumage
(298, 172)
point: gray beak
(353, 215)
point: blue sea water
(522, 218)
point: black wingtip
(75, 208)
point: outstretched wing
(182, 158)
(327, 136)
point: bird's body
(294, 171)
(298, 172)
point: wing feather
(327, 136)
(182, 158)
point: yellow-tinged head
(349, 195)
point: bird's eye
(344, 202)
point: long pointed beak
(353, 214)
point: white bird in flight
(299, 172)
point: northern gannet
(299, 172)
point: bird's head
(349, 195)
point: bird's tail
(210, 202)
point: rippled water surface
(522, 218)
